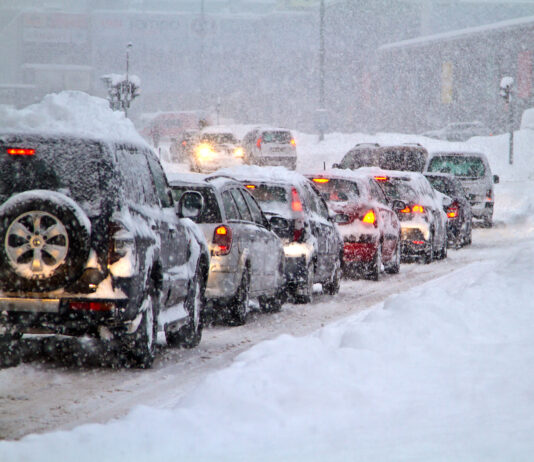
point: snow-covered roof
(71, 113)
(338, 173)
(263, 174)
(181, 178)
(460, 33)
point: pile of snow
(70, 112)
(437, 373)
(527, 119)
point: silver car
(247, 258)
(270, 146)
(474, 172)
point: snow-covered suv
(90, 244)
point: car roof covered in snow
(337, 173)
(254, 173)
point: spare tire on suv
(44, 241)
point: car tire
(240, 302)
(375, 270)
(332, 287)
(141, 345)
(189, 335)
(10, 354)
(306, 290)
(488, 222)
(272, 304)
(394, 266)
(68, 239)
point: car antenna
(324, 165)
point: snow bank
(70, 112)
(437, 373)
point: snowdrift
(70, 112)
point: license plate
(34, 305)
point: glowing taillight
(452, 211)
(369, 217)
(293, 142)
(489, 195)
(418, 209)
(405, 210)
(381, 178)
(296, 204)
(321, 180)
(20, 152)
(258, 143)
(222, 240)
(91, 306)
(250, 186)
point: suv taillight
(222, 240)
(369, 217)
(489, 195)
(452, 210)
(258, 143)
(121, 242)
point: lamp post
(321, 71)
(506, 89)
(128, 90)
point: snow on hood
(73, 113)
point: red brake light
(258, 143)
(321, 180)
(250, 186)
(20, 152)
(452, 211)
(418, 209)
(296, 204)
(222, 240)
(293, 142)
(91, 306)
(405, 210)
(489, 195)
(369, 217)
(298, 234)
(381, 178)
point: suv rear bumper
(69, 316)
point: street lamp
(506, 89)
(128, 92)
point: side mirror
(341, 218)
(398, 205)
(495, 179)
(190, 205)
(279, 224)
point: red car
(370, 228)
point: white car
(270, 146)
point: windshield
(280, 137)
(360, 158)
(461, 166)
(338, 190)
(218, 138)
(397, 189)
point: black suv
(90, 244)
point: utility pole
(202, 46)
(321, 68)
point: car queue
(143, 254)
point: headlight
(238, 152)
(204, 152)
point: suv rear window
(360, 158)
(210, 212)
(281, 137)
(468, 166)
(75, 166)
(411, 160)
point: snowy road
(45, 394)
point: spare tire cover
(44, 241)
